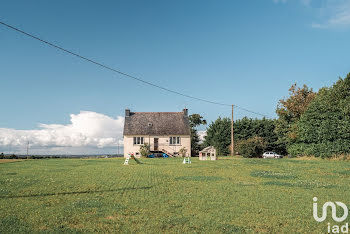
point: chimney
(185, 112)
(127, 112)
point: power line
(253, 112)
(123, 73)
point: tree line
(309, 124)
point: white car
(271, 155)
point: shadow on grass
(11, 173)
(199, 178)
(273, 174)
(344, 173)
(301, 184)
(75, 192)
(256, 161)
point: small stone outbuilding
(208, 153)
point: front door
(156, 144)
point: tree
(219, 135)
(145, 150)
(2, 156)
(324, 128)
(289, 112)
(252, 147)
(247, 128)
(195, 121)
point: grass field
(163, 195)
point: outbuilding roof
(156, 123)
(207, 149)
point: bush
(13, 156)
(144, 150)
(251, 148)
(183, 151)
(296, 150)
(323, 150)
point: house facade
(164, 132)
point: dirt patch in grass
(111, 217)
(10, 160)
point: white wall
(163, 143)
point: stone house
(165, 132)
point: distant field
(163, 195)
(9, 160)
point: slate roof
(157, 123)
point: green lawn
(163, 195)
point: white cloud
(334, 14)
(86, 130)
(330, 13)
(201, 135)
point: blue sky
(245, 52)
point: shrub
(183, 151)
(322, 149)
(144, 150)
(252, 147)
(13, 156)
(296, 150)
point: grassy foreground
(163, 195)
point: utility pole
(118, 147)
(232, 141)
(27, 149)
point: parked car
(271, 155)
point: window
(138, 140)
(174, 140)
